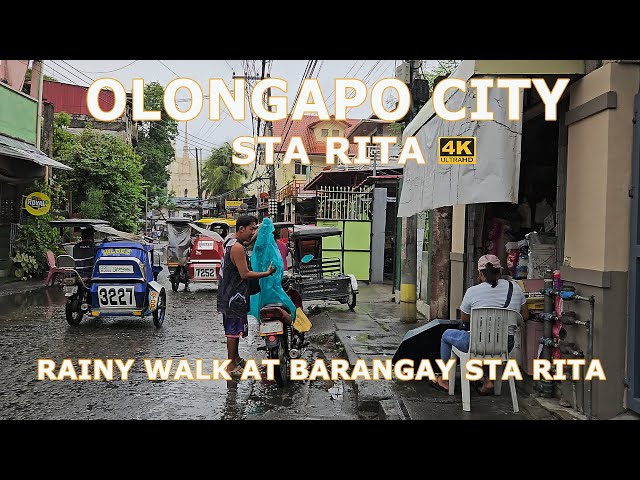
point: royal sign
(37, 203)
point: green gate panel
(331, 243)
(357, 236)
(357, 263)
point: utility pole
(409, 254)
(273, 202)
(37, 82)
(199, 187)
(146, 210)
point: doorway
(633, 357)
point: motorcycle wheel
(159, 314)
(175, 284)
(72, 310)
(281, 372)
(351, 300)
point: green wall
(18, 115)
(356, 258)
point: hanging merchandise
(523, 263)
(512, 261)
(543, 209)
(525, 213)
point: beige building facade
(594, 225)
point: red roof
(72, 99)
(303, 128)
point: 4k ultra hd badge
(456, 150)
(37, 203)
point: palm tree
(220, 174)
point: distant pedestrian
(282, 246)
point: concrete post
(378, 225)
(409, 270)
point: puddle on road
(45, 301)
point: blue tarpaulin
(265, 252)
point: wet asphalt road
(33, 325)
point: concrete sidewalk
(374, 331)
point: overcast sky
(203, 132)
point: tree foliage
(93, 205)
(29, 73)
(220, 174)
(155, 142)
(105, 163)
(444, 68)
(164, 201)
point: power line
(165, 65)
(346, 75)
(151, 125)
(306, 74)
(198, 142)
(114, 70)
(232, 70)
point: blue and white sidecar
(124, 282)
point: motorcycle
(282, 341)
(77, 293)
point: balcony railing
(295, 188)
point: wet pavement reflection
(33, 326)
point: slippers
(483, 393)
(437, 386)
(236, 372)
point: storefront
(20, 165)
(567, 180)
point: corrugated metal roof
(73, 98)
(17, 149)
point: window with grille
(325, 132)
(335, 133)
(301, 169)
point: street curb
(389, 410)
(369, 396)
(21, 288)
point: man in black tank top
(233, 288)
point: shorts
(235, 326)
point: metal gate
(633, 357)
(350, 211)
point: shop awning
(17, 149)
(496, 174)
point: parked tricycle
(114, 276)
(194, 254)
(222, 226)
(315, 274)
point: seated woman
(492, 292)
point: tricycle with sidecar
(116, 277)
(194, 254)
(315, 274)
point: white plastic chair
(488, 339)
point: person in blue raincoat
(266, 252)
